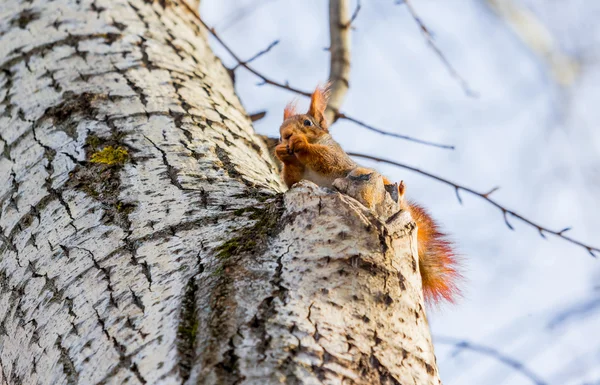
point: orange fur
(318, 104)
(289, 110)
(438, 263)
(318, 157)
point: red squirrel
(308, 151)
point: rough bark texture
(332, 298)
(143, 236)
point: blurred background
(531, 306)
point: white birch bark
(185, 264)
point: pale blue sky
(540, 142)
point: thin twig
(258, 116)
(286, 86)
(491, 352)
(505, 212)
(259, 54)
(354, 14)
(427, 35)
(341, 115)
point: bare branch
(286, 86)
(564, 230)
(491, 352)
(400, 136)
(259, 54)
(463, 83)
(575, 312)
(339, 68)
(458, 195)
(505, 212)
(354, 14)
(492, 191)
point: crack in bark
(49, 284)
(67, 363)
(138, 375)
(71, 312)
(147, 273)
(102, 324)
(7, 241)
(137, 89)
(106, 273)
(137, 301)
(49, 155)
(171, 171)
(126, 361)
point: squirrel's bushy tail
(438, 262)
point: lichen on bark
(110, 156)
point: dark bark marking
(187, 330)
(147, 273)
(227, 163)
(25, 17)
(67, 363)
(49, 284)
(137, 373)
(385, 377)
(138, 90)
(253, 239)
(67, 113)
(125, 361)
(137, 301)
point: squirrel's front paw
(297, 143)
(282, 152)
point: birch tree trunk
(144, 236)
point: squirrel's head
(312, 124)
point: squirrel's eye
(307, 123)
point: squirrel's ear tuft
(318, 104)
(290, 110)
